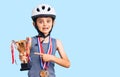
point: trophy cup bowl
(22, 48)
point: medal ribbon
(27, 48)
(12, 52)
(43, 64)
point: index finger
(37, 53)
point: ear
(33, 23)
(53, 23)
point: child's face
(44, 24)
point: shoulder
(58, 43)
(30, 40)
(33, 37)
(53, 39)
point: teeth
(45, 28)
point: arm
(63, 60)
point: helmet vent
(43, 7)
(48, 9)
(38, 9)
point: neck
(45, 40)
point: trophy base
(25, 66)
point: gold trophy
(22, 47)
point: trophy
(22, 47)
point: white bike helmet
(43, 10)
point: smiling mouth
(45, 28)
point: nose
(44, 23)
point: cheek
(51, 24)
(39, 25)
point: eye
(40, 21)
(48, 21)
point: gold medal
(44, 73)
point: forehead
(44, 18)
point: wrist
(52, 58)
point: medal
(44, 73)
(44, 65)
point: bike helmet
(43, 10)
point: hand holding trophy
(23, 49)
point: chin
(46, 33)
